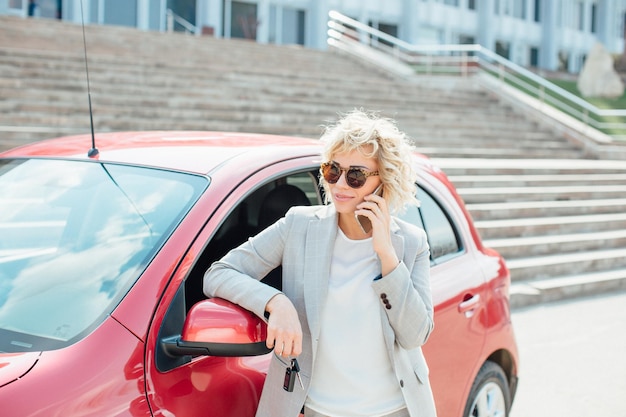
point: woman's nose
(342, 182)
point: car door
(454, 348)
(208, 385)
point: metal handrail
(172, 18)
(470, 59)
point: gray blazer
(302, 243)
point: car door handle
(469, 304)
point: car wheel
(489, 396)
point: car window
(74, 237)
(441, 231)
(260, 208)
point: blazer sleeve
(236, 277)
(408, 294)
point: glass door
(287, 25)
(184, 10)
(243, 20)
(50, 9)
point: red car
(101, 266)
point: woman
(355, 307)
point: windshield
(74, 237)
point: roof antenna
(93, 152)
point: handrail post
(464, 64)
(170, 20)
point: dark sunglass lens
(355, 178)
(331, 173)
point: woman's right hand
(284, 331)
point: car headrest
(278, 201)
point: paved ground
(573, 358)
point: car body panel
(99, 375)
(14, 366)
(453, 283)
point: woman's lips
(343, 197)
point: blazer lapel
(320, 239)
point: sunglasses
(355, 177)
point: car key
(295, 366)
(289, 380)
(291, 373)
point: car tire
(489, 396)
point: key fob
(290, 379)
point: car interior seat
(274, 206)
(278, 201)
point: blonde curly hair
(379, 138)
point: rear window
(74, 237)
(443, 236)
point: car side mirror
(216, 327)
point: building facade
(547, 34)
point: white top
(352, 374)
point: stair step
(535, 180)
(566, 264)
(509, 152)
(569, 192)
(467, 166)
(524, 247)
(491, 229)
(524, 293)
(544, 208)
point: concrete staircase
(560, 223)
(558, 218)
(141, 80)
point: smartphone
(364, 222)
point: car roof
(198, 152)
(189, 151)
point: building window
(466, 40)
(120, 12)
(563, 61)
(183, 8)
(243, 20)
(45, 8)
(388, 28)
(537, 14)
(293, 26)
(503, 49)
(581, 16)
(471, 4)
(534, 57)
(519, 9)
(594, 16)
